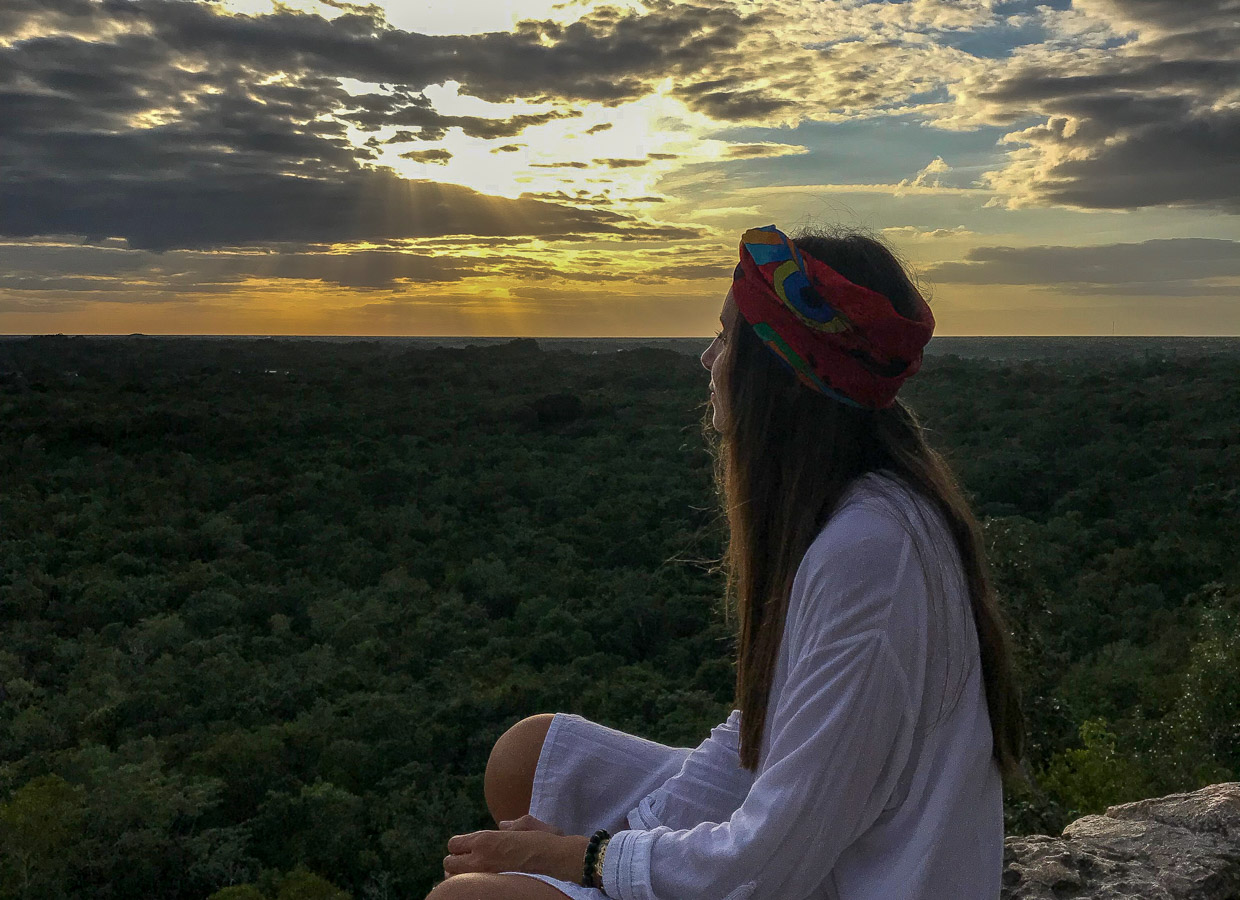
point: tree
(39, 826)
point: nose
(707, 358)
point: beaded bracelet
(598, 864)
(587, 878)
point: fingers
(462, 843)
(452, 865)
(459, 846)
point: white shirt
(871, 782)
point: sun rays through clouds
(538, 167)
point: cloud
(936, 15)
(724, 99)
(437, 156)
(582, 196)
(371, 112)
(1152, 122)
(917, 233)
(627, 162)
(766, 149)
(1174, 266)
(174, 125)
(229, 210)
(621, 163)
(1165, 16)
(694, 272)
(53, 267)
(371, 268)
(723, 59)
(930, 176)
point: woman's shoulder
(878, 510)
(865, 555)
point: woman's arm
(842, 736)
(708, 788)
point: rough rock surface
(1176, 847)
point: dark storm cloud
(1175, 266)
(172, 125)
(1153, 123)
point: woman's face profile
(715, 359)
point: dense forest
(266, 605)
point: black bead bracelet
(587, 879)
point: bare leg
(509, 779)
(507, 784)
(491, 886)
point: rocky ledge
(1176, 847)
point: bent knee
(531, 729)
(465, 886)
(508, 781)
(519, 747)
(488, 886)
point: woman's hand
(523, 845)
(528, 823)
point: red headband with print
(839, 338)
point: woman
(876, 711)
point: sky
(548, 168)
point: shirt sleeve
(709, 787)
(840, 738)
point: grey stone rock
(1178, 847)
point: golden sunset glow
(543, 168)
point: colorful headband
(839, 338)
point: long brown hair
(783, 462)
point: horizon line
(500, 337)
